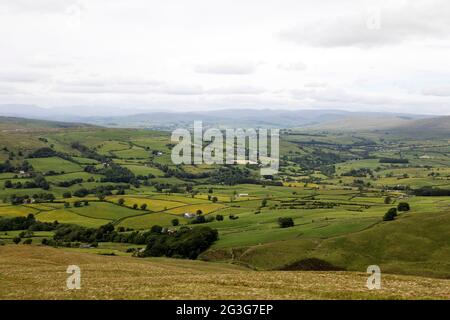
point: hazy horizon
(100, 111)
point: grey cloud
(292, 66)
(438, 91)
(181, 90)
(39, 6)
(15, 76)
(416, 20)
(107, 85)
(237, 90)
(5, 90)
(315, 84)
(227, 68)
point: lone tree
(135, 206)
(285, 222)
(390, 215)
(16, 240)
(214, 199)
(143, 206)
(219, 217)
(387, 200)
(121, 201)
(264, 203)
(199, 212)
(175, 222)
(403, 206)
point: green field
(55, 164)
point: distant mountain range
(243, 118)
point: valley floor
(35, 272)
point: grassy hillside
(25, 274)
(416, 243)
(12, 123)
(364, 122)
(425, 127)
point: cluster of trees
(103, 190)
(285, 222)
(117, 173)
(113, 173)
(431, 192)
(39, 197)
(392, 213)
(362, 173)
(38, 182)
(26, 223)
(393, 160)
(47, 152)
(88, 153)
(316, 160)
(185, 243)
(44, 152)
(179, 172)
(8, 167)
(75, 233)
(231, 175)
(69, 183)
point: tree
(390, 214)
(77, 204)
(135, 206)
(101, 196)
(219, 217)
(28, 241)
(175, 222)
(403, 206)
(143, 206)
(285, 222)
(16, 240)
(121, 201)
(198, 219)
(66, 205)
(264, 203)
(156, 229)
(387, 200)
(199, 212)
(8, 184)
(67, 195)
(81, 192)
(86, 203)
(214, 199)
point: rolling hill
(427, 127)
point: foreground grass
(34, 272)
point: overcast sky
(214, 54)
